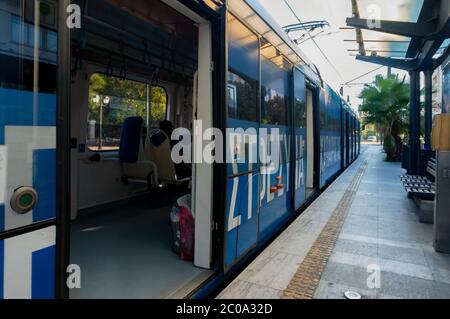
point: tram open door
(146, 64)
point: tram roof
(255, 16)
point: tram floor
(125, 252)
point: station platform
(362, 234)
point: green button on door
(24, 199)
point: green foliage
(389, 147)
(128, 98)
(274, 111)
(384, 101)
(385, 104)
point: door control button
(24, 199)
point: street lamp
(103, 101)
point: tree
(127, 98)
(385, 104)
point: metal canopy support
(359, 35)
(428, 74)
(414, 122)
(402, 64)
(407, 29)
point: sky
(341, 67)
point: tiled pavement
(381, 228)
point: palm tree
(385, 104)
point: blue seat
(136, 166)
(131, 139)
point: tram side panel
(275, 185)
(330, 135)
(28, 110)
(299, 120)
(242, 187)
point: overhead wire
(315, 42)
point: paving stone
(407, 255)
(330, 290)
(408, 287)
(356, 247)
(246, 290)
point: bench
(421, 186)
(422, 189)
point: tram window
(242, 97)
(299, 100)
(243, 60)
(23, 33)
(112, 100)
(275, 92)
(243, 49)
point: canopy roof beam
(403, 64)
(407, 29)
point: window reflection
(275, 86)
(242, 97)
(243, 75)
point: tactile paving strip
(306, 280)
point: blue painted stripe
(2, 218)
(44, 181)
(2, 258)
(43, 274)
(17, 108)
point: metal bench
(422, 187)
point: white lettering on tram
(266, 174)
(234, 221)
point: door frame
(316, 134)
(63, 153)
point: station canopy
(401, 30)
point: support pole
(428, 107)
(414, 122)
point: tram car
(91, 202)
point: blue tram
(91, 95)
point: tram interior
(133, 69)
